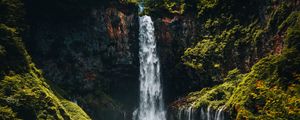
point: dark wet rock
(92, 57)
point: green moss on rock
(266, 92)
(31, 97)
(24, 93)
(269, 91)
(6, 113)
(75, 112)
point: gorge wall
(90, 51)
(24, 92)
(211, 53)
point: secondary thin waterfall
(151, 105)
(188, 113)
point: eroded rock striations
(91, 54)
(231, 52)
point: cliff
(89, 50)
(235, 55)
(238, 59)
(25, 94)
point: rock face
(240, 41)
(224, 45)
(174, 34)
(24, 93)
(89, 50)
(93, 56)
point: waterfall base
(198, 114)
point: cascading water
(213, 115)
(188, 113)
(151, 105)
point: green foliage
(269, 91)
(206, 5)
(278, 16)
(214, 97)
(270, 88)
(31, 97)
(73, 110)
(227, 40)
(293, 33)
(19, 60)
(204, 8)
(234, 75)
(6, 113)
(132, 1)
(24, 94)
(289, 21)
(24, 90)
(171, 6)
(223, 50)
(266, 92)
(204, 52)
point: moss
(266, 93)
(164, 6)
(206, 5)
(24, 93)
(75, 112)
(278, 16)
(203, 52)
(132, 1)
(216, 96)
(293, 35)
(234, 75)
(289, 21)
(30, 94)
(270, 88)
(10, 40)
(227, 49)
(6, 113)
(269, 91)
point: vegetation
(30, 97)
(167, 6)
(229, 40)
(24, 93)
(270, 90)
(248, 51)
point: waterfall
(188, 113)
(208, 113)
(179, 115)
(212, 115)
(220, 115)
(151, 105)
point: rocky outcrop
(173, 35)
(89, 50)
(24, 93)
(236, 41)
(92, 55)
(256, 47)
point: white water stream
(151, 106)
(203, 114)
